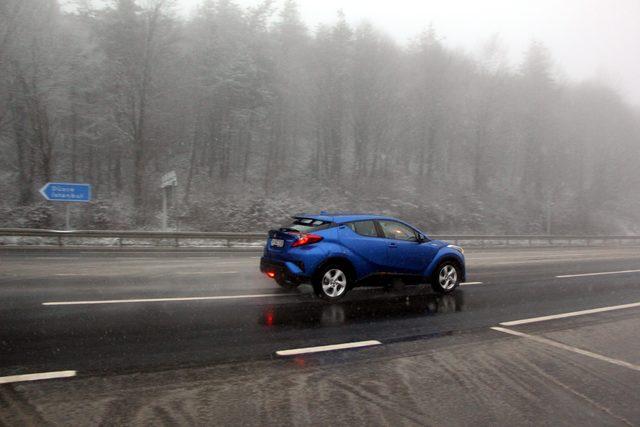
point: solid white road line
(128, 301)
(191, 273)
(36, 377)
(470, 283)
(598, 274)
(569, 348)
(179, 273)
(322, 348)
(570, 314)
(239, 261)
(523, 257)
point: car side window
(397, 231)
(364, 228)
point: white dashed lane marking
(570, 314)
(570, 348)
(470, 283)
(36, 377)
(598, 274)
(323, 348)
(143, 300)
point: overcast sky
(587, 38)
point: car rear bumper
(291, 271)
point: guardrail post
(59, 240)
(177, 242)
(228, 242)
(119, 242)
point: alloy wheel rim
(448, 277)
(334, 283)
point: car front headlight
(457, 248)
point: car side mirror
(422, 238)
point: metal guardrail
(531, 238)
(120, 235)
(65, 238)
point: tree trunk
(139, 142)
(24, 154)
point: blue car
(337, 251)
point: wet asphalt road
(209, 343)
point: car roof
(342, 217)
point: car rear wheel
(446, 277)
(331, 283)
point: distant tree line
(261, 116)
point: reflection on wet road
(319, 314)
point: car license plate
(277, 243)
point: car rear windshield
(305, 225)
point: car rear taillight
(306, 239)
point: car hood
(438, 243)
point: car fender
(314, 255)
(446, 253)
(337, 258)
(334, 251)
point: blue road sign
(66, 192)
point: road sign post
(66, 192)
(167, 183)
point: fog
(588, 39)
(478, 117)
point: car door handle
(393, 245)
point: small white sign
(169, 179)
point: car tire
(284, 283)
(332, 282)
(446, 277)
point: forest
(262, 117)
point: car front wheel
(331, 283)
(446, 277)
